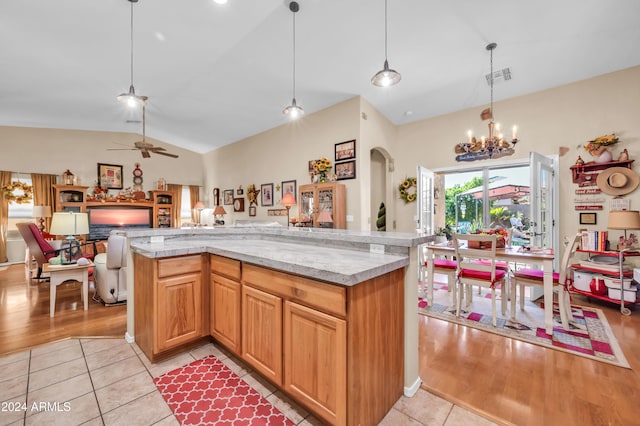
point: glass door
(543, 201)
(424, 189)
(307, 207)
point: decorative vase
(323, 177)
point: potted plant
(443, 235)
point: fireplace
(103, 220)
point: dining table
(529, 256)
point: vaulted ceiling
(215, 74)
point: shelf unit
(621, 255)
(582, 172)
(70, 198)
(315, 198)
(162, 209)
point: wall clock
(238, 204)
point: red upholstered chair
(445, 267)
(534, 277)
(39, 248)
(477, 266)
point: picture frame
(238, 205)
(266, 194)
(277, 212)
(588, 218)
(346, 170)
(110, 176)
(227, 197)
(289, 186)
(345, 150)
(252, 210)
(216, 196)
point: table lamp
(219, 213)
(325, 217)
(624, 220)
(199, 206)
(288, 200)
(42, 212)
(70, 224)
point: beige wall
(52, 151)
(567, 116)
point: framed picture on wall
(227, 197)
(345, 150)
(588, 218)
(266, 194)
(289, 186)
(110, 176)
(252, 210)
(346, 170)
(238, 205)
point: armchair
(111, 271)
(39, 248)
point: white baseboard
(129, 338)
(411, 390)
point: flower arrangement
(502, 234)
(8, 191)
(322, 167)
(408, 190)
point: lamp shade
(219, 210)
(41, 211)
(288, 200)
(199, 205)
(66, 223)
(624, 219)
(325, 217)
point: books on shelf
(594, 240)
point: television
(102, 220)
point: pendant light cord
(294, 54)
(131, 42)
(385, 30)
(491, 80)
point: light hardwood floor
(507, 381)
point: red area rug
(589, 335)
(207, 392)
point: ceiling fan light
(293, 111)
(386, 76)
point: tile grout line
(93, 387)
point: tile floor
(110, 382)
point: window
(20, 212)
(185, 207)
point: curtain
(5, 179)
(194, 194)
(43, 193)
(177, 203)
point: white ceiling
(215, 74)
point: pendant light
(294, 110)
(131, 98)
(386, 76)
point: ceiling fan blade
(145, 153)
(122, 149)
(156, 148)
(168, 154)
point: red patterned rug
(589, 335)
(207, 392)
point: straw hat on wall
(618, 181)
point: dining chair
(444, 267)
(534, 277)
(476, 256)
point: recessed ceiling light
(408, 113)
(220, 1)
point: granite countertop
(334, 265)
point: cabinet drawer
(179, 265)
(226, 267)
(326, 297)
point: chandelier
(495, 146)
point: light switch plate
(158, 239)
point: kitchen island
(328, 316)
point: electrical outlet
(376, 248)
(159, 239)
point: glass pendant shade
(131, 99)
(386, 76)
(293, 110)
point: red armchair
(40, 248)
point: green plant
(445, 232)
(381, 222)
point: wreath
(8, 191)
(408, 190)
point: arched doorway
(381, 188)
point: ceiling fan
(145, 147)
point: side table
(61, 273)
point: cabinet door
(179, 313)
(262, 332)
(306, 207)
(225, 311)
(315, 360)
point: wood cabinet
(163, 209)
(168, 303)
(262, 332)
(70, 198)
(225, 298)
(315, 344)
(328, 198)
